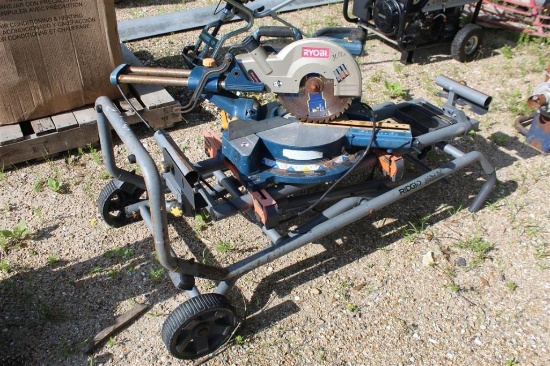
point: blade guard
(282, 72)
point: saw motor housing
(283, 72)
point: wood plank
(85, 116)
(10, 134)
(41, 147)
(119, 323)
(163, 117)
(42, 126)
(134, 29)
(64, 121)
(125, 106)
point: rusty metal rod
(153, 80)
(158, 71)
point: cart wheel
(113, 199)
(467, 42)
(199, 326)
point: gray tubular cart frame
(350, 203)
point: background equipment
(538, 134)
(413, 24)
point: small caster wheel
(114, 197)
(199, 326)
(467, 43)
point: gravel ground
(363, 295)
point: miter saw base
(284, 150)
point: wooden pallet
(48, 136)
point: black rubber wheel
(467, 43)
(199, 326)
(11, 360)
(114, 198)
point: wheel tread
(187, 310)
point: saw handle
(126, 74)
(277, 32)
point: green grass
(5, 266)
(414, 229)
(119, 254)
(39, 185)
(500, 138)
(112, 273)
(516, 103)
(512, 362)
(156, 275)
(14, 237)
(453, 287)
(96, 269)
(202, 219)
(398, 66)
(54, 184)
(239, 340)
(95, 155)
(223, 246)
(507, 52)
(104, 175)
(52, 259)
(511, 285)
(478, 246)
(394, 89)
(541, 251)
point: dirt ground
(363, 295)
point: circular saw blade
(315, 101)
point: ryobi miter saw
(315, 80)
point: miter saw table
(275, 163)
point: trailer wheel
(467, 43)
(199, 326)
(114, 198)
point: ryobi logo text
(410, 187)
(316, 52)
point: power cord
(348, 172)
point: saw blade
(315, 101)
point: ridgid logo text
(316, 52)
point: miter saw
(275, 163)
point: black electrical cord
(134, 109)
(355, 164)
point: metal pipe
(108, 153)
(153, 80)
(485, 165)
(433, 137)
(464, 91)
(518, 123)
(187, 168)
(151, 177)
(362, 209)
(158, 71)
